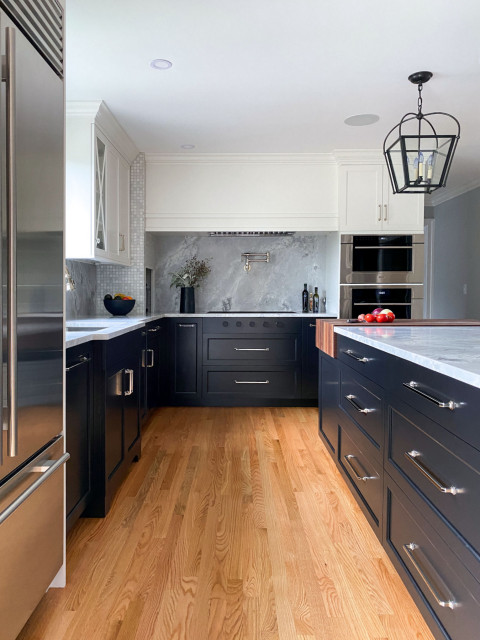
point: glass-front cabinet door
(100, 194)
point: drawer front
(283, 349)
(371, 363)
(361, 400)
(430, 390)
(258, 383)
(357, 456)
(429, 568)
(236, 324)
(422, 453)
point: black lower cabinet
(79, 430)
(152, 373)
(310, 359)
(117, 438)
(185, 359)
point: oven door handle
(384, 247)
(390, 304)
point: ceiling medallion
(419, 161)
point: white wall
(265, 192)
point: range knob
(238, 323)
(225, 323)
(251, 323)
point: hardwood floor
(234, 524)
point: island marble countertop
(108, 326)
(453, 351)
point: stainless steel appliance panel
(35, 94)
(386, 259)
(405, 300)
(31, 536)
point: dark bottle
(316, 301)
(305, 299)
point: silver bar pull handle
(252, 381)
(144, 364)
(379, 219)
(352, 399)
(314, 326)
(238, 349)
(46, 469)
(11, 201)
(186, 325)
(81, 360)
(385, 209)
(152, 358)
(129, 391)
(446, 600)
(348, 459)
(350, 353)
(155, 329)
(412, 456)
(413, 386)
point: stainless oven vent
(249, 234)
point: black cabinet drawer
(370, 362)
(444, 588)
(236, 349)
(356, 455)
(236, 324)
(361, 399)
(422, 452)
(253, 383)
(427, 391)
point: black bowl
(119, 307)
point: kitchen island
(399, 414)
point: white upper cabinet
(367, 204)
(98, 159)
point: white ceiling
(276, 76)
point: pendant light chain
(420, 102)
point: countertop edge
(467, 371)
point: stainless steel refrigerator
(31, 374)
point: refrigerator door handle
(47, 469)
(11, 189)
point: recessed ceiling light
(362, 119)
(161, 64)
(188, 146)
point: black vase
(187, 300)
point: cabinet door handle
(264, 349)
(385, 213)
(352, 399)
(413, 386)
(157, 329)
(122, 238)
(413, 456)
(186, 325)
(129, 391)
(442, 600)
(252, 381)
(314, 326)
(379, 219)
(81, 360)
(152, 361)
(348, 459)
(350, 353)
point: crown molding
(241, 158)
(100, 115)
(358, 156)
(440, 196)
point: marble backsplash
(273, 286)
(81, 301)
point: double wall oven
(381, 271)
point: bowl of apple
(118, 304)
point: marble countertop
(453, 351)
(108, 327)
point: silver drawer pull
(350, 353)
(265, 349)
(351, 398)
(314, 326)
(413, 386)
(348, 459)
(81, 360)
(186, 325)
(437, 483)
(129, 391)
(252, 381)
(443, 601)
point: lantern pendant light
(419, 161)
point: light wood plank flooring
(234, 524)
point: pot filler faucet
(255, 257)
